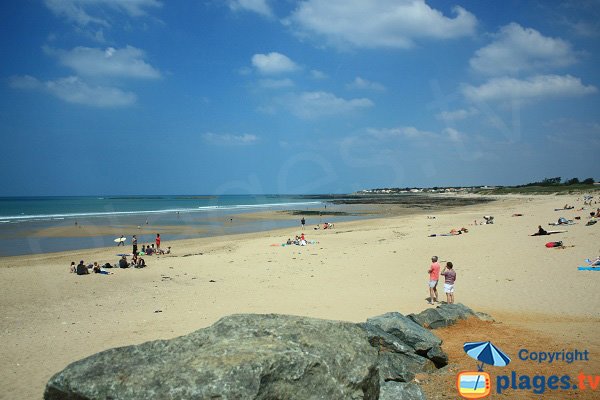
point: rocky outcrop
(267, 357)
(446, 315)
(239, 357)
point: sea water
(201, 216)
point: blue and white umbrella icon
(487, 353)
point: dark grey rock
(401, 391)
(442, 316)
(239, 357)
(402, 367)
(407, 330)
(438, 357)
(385, 341)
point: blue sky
(313, 96)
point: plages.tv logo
(478, 384)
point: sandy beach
(363, 268)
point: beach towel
(588, 268)
(557, 224)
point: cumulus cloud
(317, 104)
(226, 139)
(456, 115)
(258, 6)
(518, 49)
(453, 135)
(540, 86)
(127, 62)
(273, 63)
(378, 23)
(73, 89)
(84, 12)
(363, 84)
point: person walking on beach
(302, 222)
(434, 276)
(450, 277)
(157, 241)
(121, 241)
(134, 243)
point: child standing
(450, 276)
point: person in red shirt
(434, 276)
(157, 241)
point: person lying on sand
(593, 263)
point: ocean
(31, 225)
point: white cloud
(82, 12)
(378, 23)
(74, 90)
(519, 49)
(127, 62)
(26, 82)
(226, 139)
(276, 83)
(363, 84)
(317, 104)
(453, 135)
(407, 132)
(456, 115)
(540, 86)
(273, 63)
(258, 6)
(316, 74)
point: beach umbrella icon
(487, 353)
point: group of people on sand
(326, 225)
(148, 249)
(434, 276)
(298, 240)
(83, 269)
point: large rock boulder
(239, 357)
(401, 391)
(445, 315)
(407, 331)
(402, 367)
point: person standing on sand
(302, 222)
(121, 242)
(134, 243)
(157, 241)
(434, 276)
(450, 276)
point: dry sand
(51, 318)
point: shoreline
(358, 270)
(95, 233)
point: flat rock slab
(240, 357)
